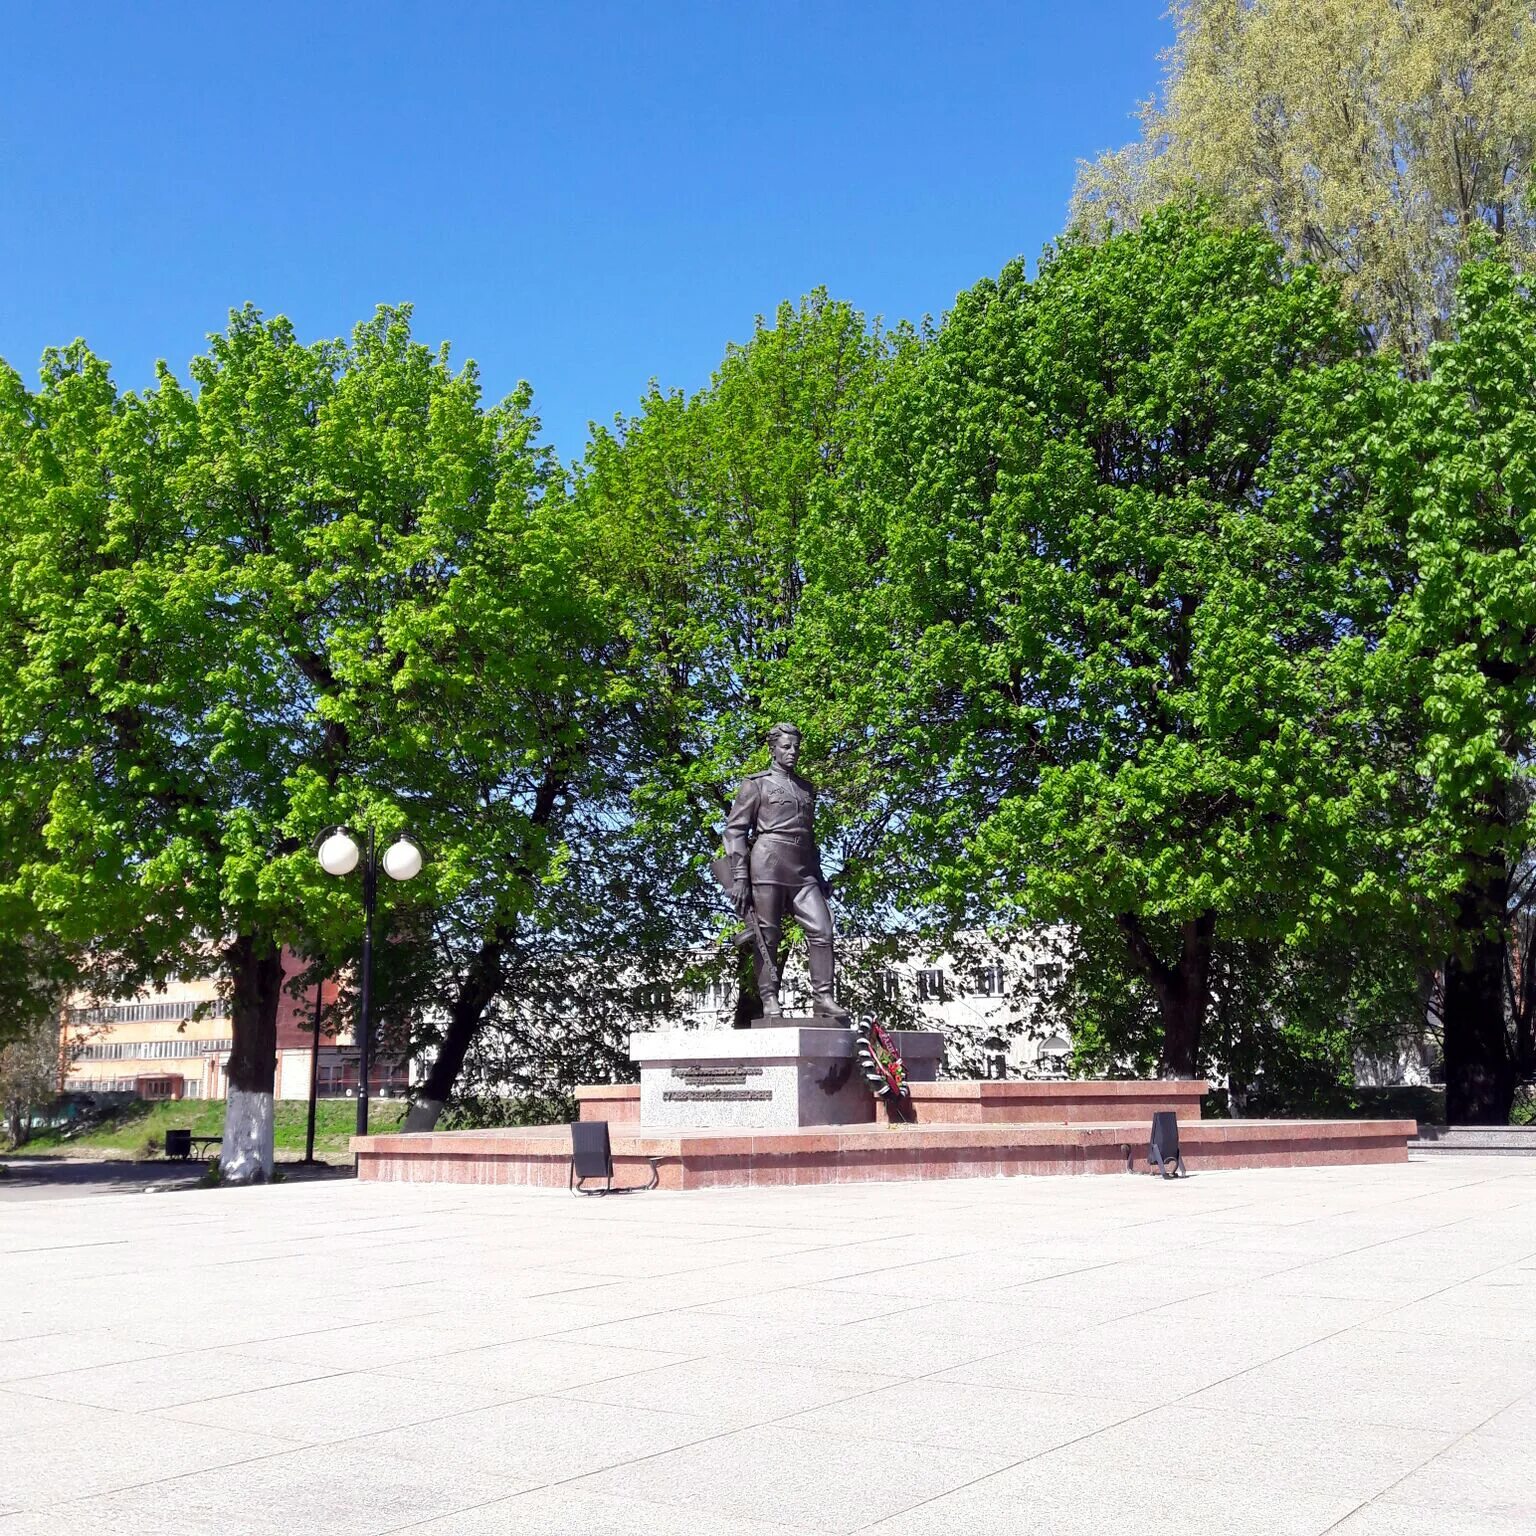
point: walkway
(1272, 1353)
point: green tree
(82, 515)
(1450, 527)
(1369, 136)
(695, 510)
(1073, 627)
(247, 614)
(1286, 1024)
(34, 967)
(505, 737)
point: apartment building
(168, 1044)
(174, 1043)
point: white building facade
(992, 1005)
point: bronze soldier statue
(775, 871)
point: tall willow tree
(1367, 135)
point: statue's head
(784, 745)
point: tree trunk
(1479, 1074)
(478, 990)
(1182, 989)
(1522, 962)
(1183, 1010)
(483, 981)
(1238, 1086)
(256, 971)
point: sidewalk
(1267, 1352)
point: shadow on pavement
(54, 1178)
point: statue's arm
(740, 824)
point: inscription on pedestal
(715, 1077)
(715, 1095)
(715, 1085)
(800, 1072)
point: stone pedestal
(792, 1074)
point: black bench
(592, 1158)
(1163, 1151)
(180, 1144)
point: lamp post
(338, 853)
(314, 1071)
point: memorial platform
(1077, 1101)
(846, 1154)
(783, 1105)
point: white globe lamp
(338, 853)
(402, 860)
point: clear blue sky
(585, 195)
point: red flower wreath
(881, 1063)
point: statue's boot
(824, 1003)
(772, 1009)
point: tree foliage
(30, 1069)
(1070, 614)
(1449, 525)
(695, 511)
(1143, 600)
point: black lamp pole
(339, 855)
(314, 1072)
(365, 1017)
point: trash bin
(178, 1144)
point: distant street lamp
(338, 853)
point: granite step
(1500, 1140)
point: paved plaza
(1272, 1353)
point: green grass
(139, 1130)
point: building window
(134, 1013)
(337, 1078)
(1054, 1052)
(150, 1050)
(887, 986)
(930, 986)
(989, 980)
(102, 1085)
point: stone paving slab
(1280, 1352)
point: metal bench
(181, 1144)
(1163, 1151)
(592, 1158)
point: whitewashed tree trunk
(256, 976)
(246, 1154)
(423, 1115)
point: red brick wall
(296, 1015)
